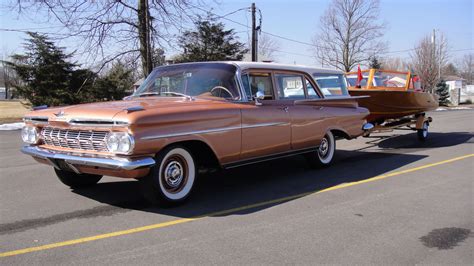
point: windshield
(331, 84)
(381, 79)
(196, 79)
(388, 79)
(352, 80)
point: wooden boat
(393, 94)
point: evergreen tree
(442, 90)
(48, 78)
(45, 72)
(374, 63)
(115, 84)
(210, 42)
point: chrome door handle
(284, 108)
(318, 107)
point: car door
(307, 121)
(266, 127)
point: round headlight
(119, 142)
(112, 142)
(124, 143)
(29, 134)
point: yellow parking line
(228, 211)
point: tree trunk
(144, 31)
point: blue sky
(408, 21)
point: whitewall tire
(324, 154)
(172, 179)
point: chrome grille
(75, 139)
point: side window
(311, 90)
(290, 86)
(260, 82)
(331, 84)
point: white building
(455, 85)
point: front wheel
(323, 156)
(74, 180)
(171, 180)
(423, 132)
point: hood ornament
(60, 113)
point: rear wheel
(323, 156)
(74, 180)
(423, 132)
(171, 180)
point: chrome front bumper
(70, 159)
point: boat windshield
(191, 80)
(390, 79)
(352, 80)
(331, 85)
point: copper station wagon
(188, 117)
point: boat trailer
(418, 122)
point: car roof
(242, 65)
(277, 66)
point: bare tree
(267, 47)
(111, 29)
(395, 63)
(8, 77)
(428, 58)
(349, 33)
(467, 68)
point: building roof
(451, 78)
(139, 82)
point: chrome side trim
(270, 157)
(190, 133)
(264, 125)
(115, 163)
(207, 131)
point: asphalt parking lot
(386, 199)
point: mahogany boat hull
(384, 104)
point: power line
(297, 41)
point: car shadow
(253, 184)
(434, 140)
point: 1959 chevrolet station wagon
(193, 116)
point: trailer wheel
(423, 132)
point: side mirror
(258, 97)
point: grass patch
(12, 111)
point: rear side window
(331, 84)
(311, 90)
(290, 86)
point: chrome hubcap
(323, 147)
(174, 174)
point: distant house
(2, 93)
(137, 84)
(456, 85)
(467, 94)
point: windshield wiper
(191, 98)
(146, 94)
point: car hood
(121, 110)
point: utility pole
(254, 36)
